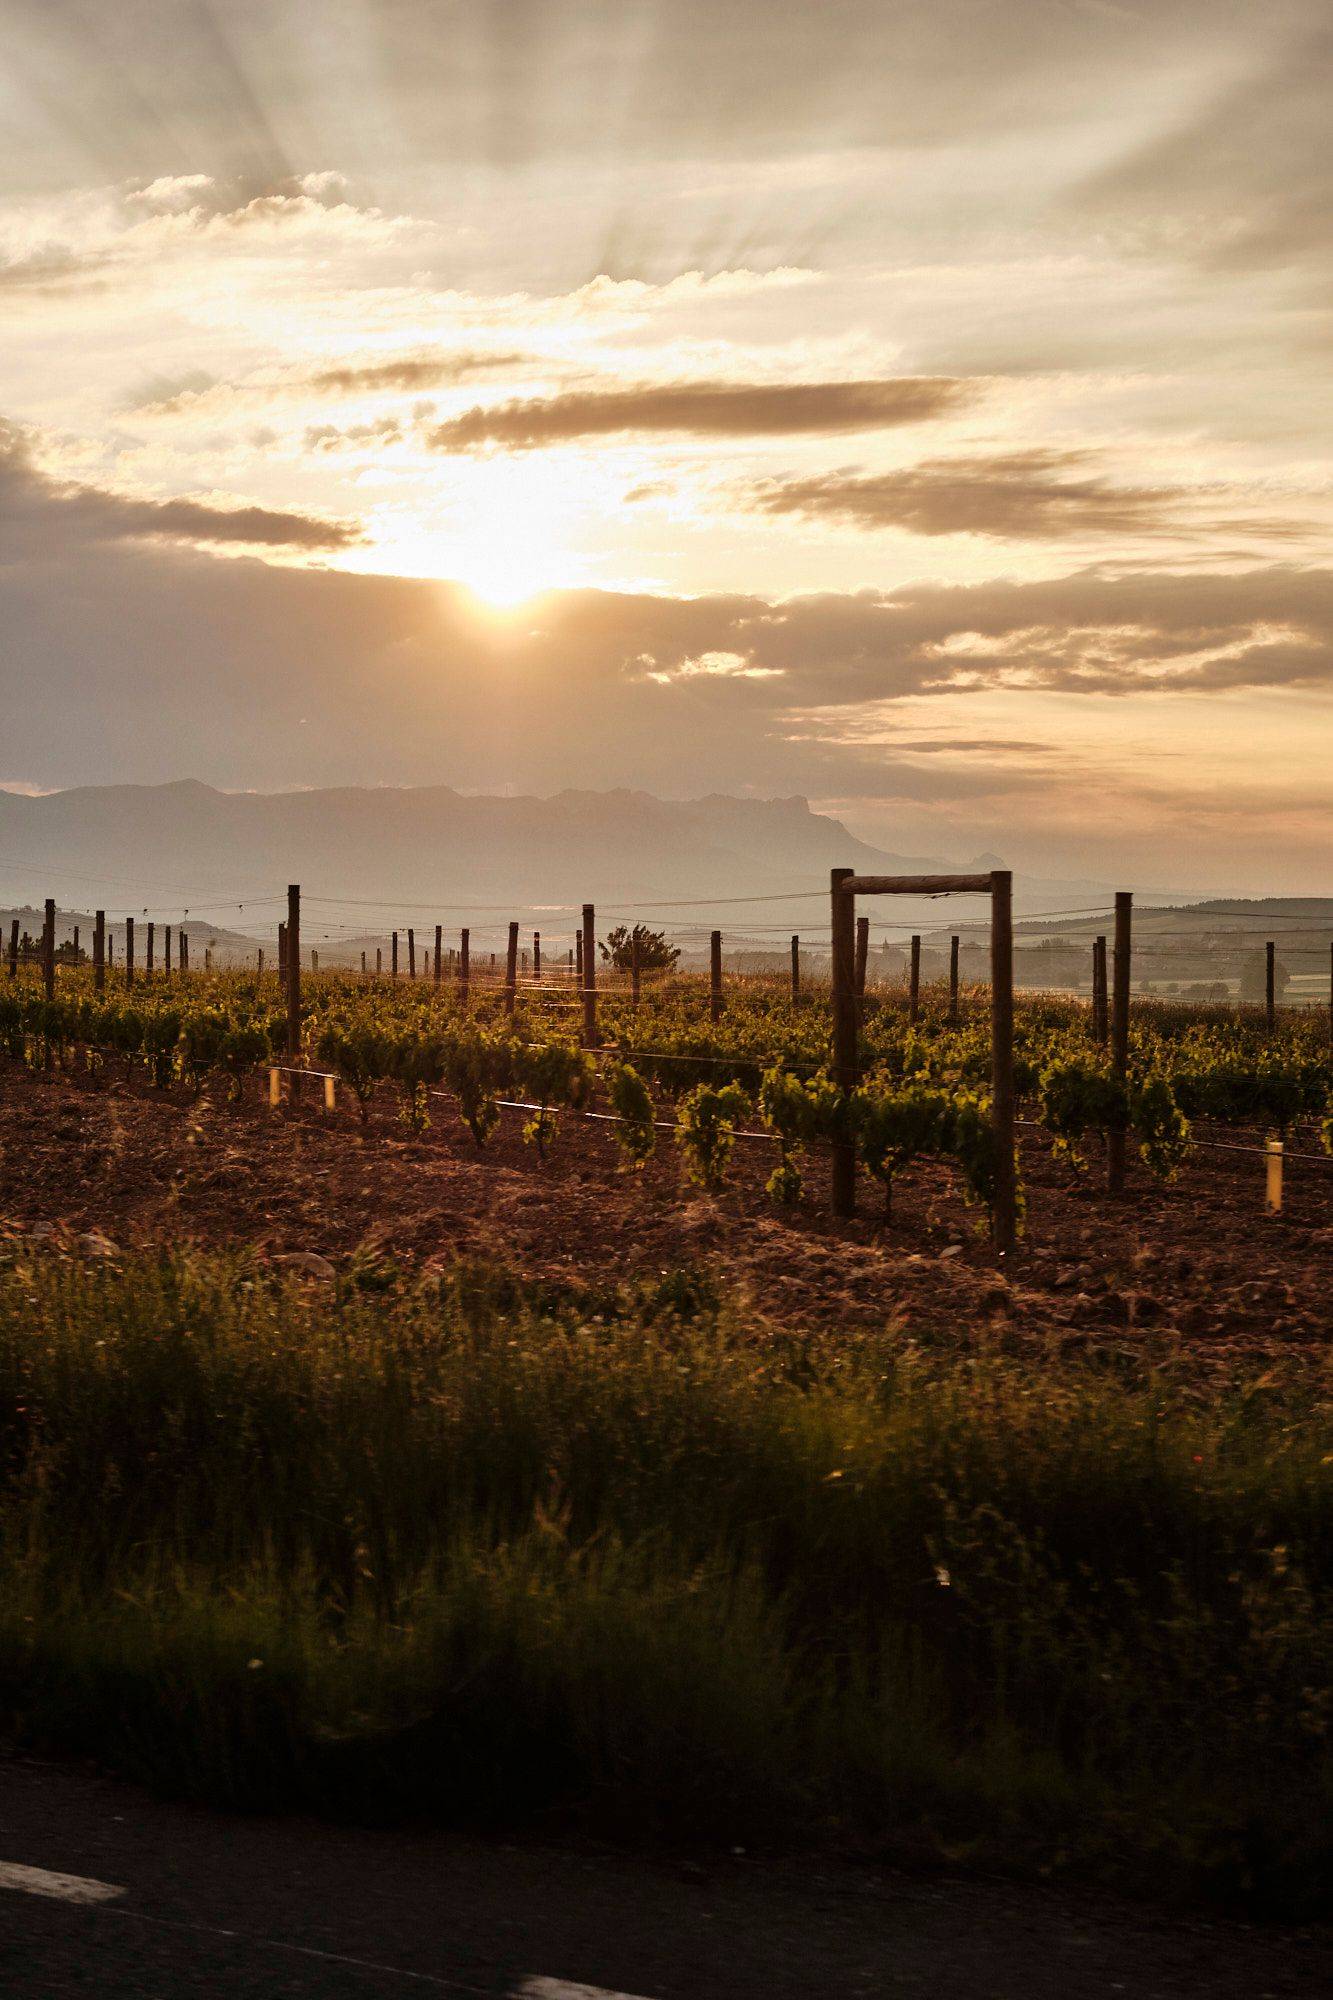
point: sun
(507, 534)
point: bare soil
(1196, 1266)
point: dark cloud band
(704, 409)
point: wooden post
(99, 951)
(862, 955)
(393, 956)
(259, 969)
(379, 961)
(1101, 1016)
(953, 982)
(844, 1031)
(511, 969)
(914, 982)
(536, 956)
(208, 958)
(1005, 1210)
(411, 953)
(1270, 985)
(464, 967)
(129, 952)
(76, 944)
(363, 965)
(314, 959)
(715, 977)
(635, 966)
(589, 977)
(1273, 1175)
(49, 949)
(282, 953)
(294, 970)
(184, 952)
(166, 951)
(795, 971)
(578, 957)
(439, 962)
(14, 951)
(1115, 1140)
(148, 951)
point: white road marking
(85, 1889)
(565, 1989)
(62, 1888)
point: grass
(494, 1556)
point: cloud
(43, 516)
(1244, 181)
(704, 409)
(409, 372)
(196, 392)
(1036, 495)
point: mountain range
(367, 858)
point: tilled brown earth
(1197, 1264)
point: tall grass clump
(481, 1553)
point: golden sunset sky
(920, 407)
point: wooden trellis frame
(846, 886)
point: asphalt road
(199, 1903)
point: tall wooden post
(439, 936)
(1270, 985)
(464, 967)
(578, 957)
(411, 953)
(1005, 1211)
(294, 970)
(536, 956)
(844, 1031)
(148, 950)
(166, 950)
(184, 952)
(795, 971)
(379, 961)
(259, 965)
(129, 952)
(914, 983)
(76, 944)
(715, 976)
(635, 966)
(49, 949)
(953, 981)
(589, 976)
(1100, 1010)
(511, 969)
(14, 948)
(862, 955)
(1115, 1140)
(282, 953)
(99, 951)
(393, 955)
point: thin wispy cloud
(703, 409)
(1037, 495)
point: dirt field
(1198, 1261)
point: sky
(917, 405)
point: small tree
(655, 954)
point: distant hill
(367, 858)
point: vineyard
(671, 1069)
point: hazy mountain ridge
(185, 844)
